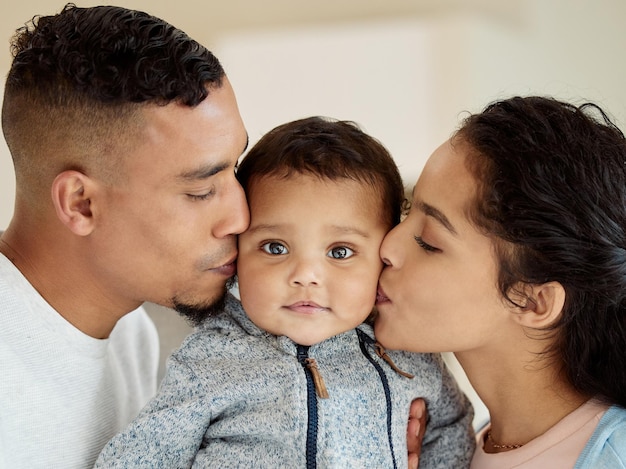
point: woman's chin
(384, 331)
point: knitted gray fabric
(236, 396)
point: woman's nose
(389, 248)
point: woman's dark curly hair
(552, 192)
(330, 150)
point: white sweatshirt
(64, 394)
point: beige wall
(402, 69)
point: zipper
(365, 340)
(311, 432)
(318, 381)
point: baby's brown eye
(341, 252)
(274, 248)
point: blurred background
(405, 70)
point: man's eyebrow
(204, 172)
(438, 215)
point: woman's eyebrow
(438, 215)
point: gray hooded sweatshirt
(237, 396)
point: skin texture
(441, 283)
(438, 292)
(415, 431)
(308, 265)
(163, 231)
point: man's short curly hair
(79, 77)
(110, 54)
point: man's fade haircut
(331, 150)
(78, 78)
(552, 192)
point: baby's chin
(306, 338)
(313, 337)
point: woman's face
(438, 291)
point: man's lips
(306, 307)
(381, 297)
(228, 269)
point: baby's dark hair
(552, 192)
(328, 149)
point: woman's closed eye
(425, 246)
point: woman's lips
(381, 296)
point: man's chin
(196, 314)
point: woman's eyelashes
(425, 246)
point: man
(124, 134)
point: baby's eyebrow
(346, 229)
(263, 227)
(339, 229)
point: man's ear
(543, 305)
(72, 192)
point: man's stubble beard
(198, 313)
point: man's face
(167, 227)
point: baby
(292, 376)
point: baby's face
(309, 263)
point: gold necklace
(497, 446)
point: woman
(513, 256)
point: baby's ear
(72, 193)
(543, 305)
